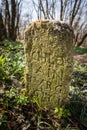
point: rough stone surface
(49, 62)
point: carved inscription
(49, 62)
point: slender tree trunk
(13, 18)
(3, 33)
(47, 10)
(61, 10)
(82, 40)
(75, 11)
(7, 17)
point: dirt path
(81, 58)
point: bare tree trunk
(63, 6)
(42, 9)
(13, 18)
(53, 9)
(3, 33)
(61, 10)
(75, 10)
(7, 17)
(52, 13)
(47, 10)
(82, 40)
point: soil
(81, 58)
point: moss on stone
(49, 62)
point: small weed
(62, 112)
(79, 67)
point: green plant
(14, 59)
(21, 99)
(62, 112)
(79, 67)
(14, 96)
(3, 74)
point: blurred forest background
(17, 111)
(15, 15)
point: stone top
(49, 27)
(53, 24)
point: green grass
(80, 50)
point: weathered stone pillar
(49, 62)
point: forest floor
(81, 56)
(18, 112)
